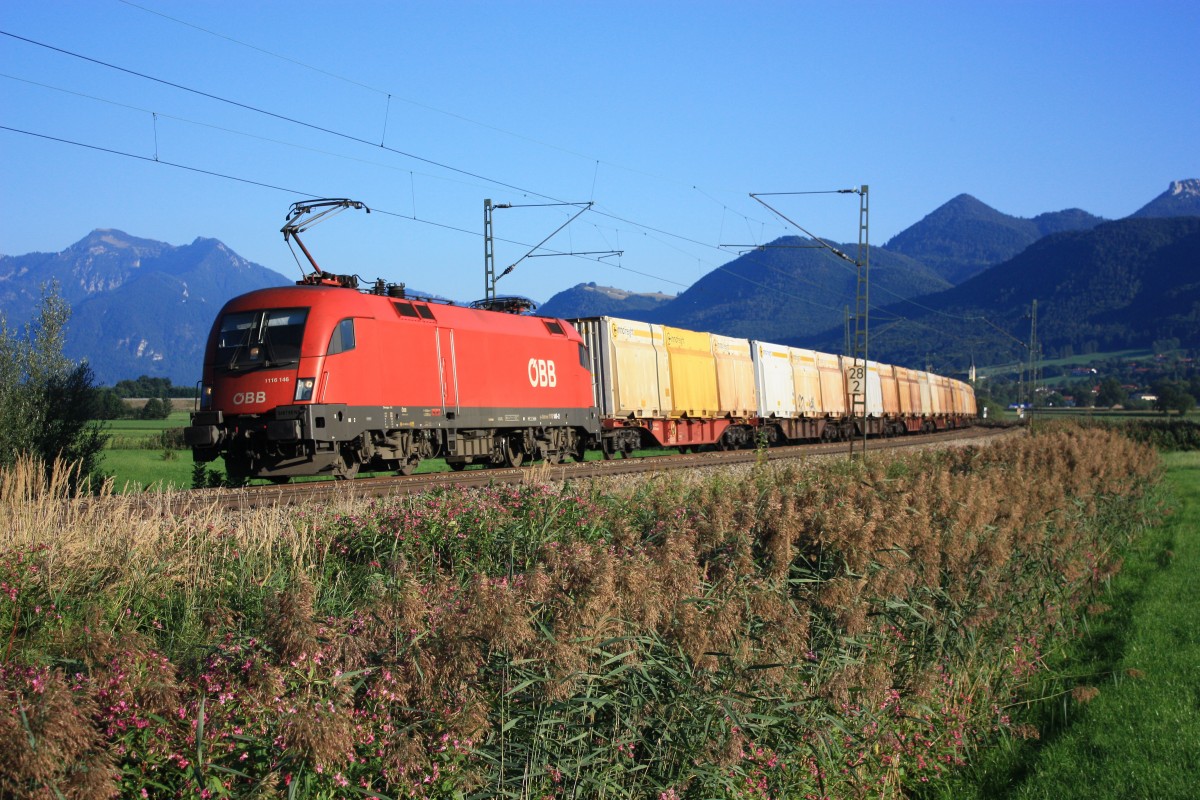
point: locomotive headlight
(304, 388)
(205, 398)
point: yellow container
(693, 372)
(807, 380)
(630, 374)
(736, 395)
(833, 385)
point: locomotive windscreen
(268, 338)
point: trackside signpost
(856, 390)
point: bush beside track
(834, 630)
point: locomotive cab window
(342, 338)
(266, 338)
(554, 327)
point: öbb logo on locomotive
(249, 398)
(542, 373)
(322, 378)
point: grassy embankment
(1140, 736)
(1117, 713)
(1137, 732)
(826, 630)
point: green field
(1119, 715)
(136, 462)
(1140, 736)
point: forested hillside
(1124, 284)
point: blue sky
(666, 115)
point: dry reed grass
(721, 624)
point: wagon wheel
(409, 466)
(512, 458)
(345, 467)
(457, 466)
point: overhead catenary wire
(224, 129)
(412, 217)
(346, 136)
(417, 104)
(276, 115)
(265, 185)
(439, 164)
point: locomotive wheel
(237, 469)
(346, 466)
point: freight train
(321, 378)
(324, 379)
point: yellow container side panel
(905, 387)
(972, 406)
(807, 379)
(891, 390)
(640, 370)
(966, 398)
(926, 391)
(833, 385)
(693, 373)
(937, 391)
(736, 394)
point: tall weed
(842, 630)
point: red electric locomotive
(321, 378)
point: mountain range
(958, 284)
(138, 307)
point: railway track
(323, 492)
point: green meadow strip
(1139, 733)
